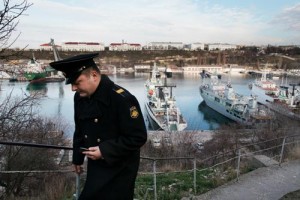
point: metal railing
(285, 141)
(240, 153)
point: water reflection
(212, 116)
(61, 94)
(37, 88)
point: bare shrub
(171, 145)
(19, 122)
(223, 145)
(57, 187)
(294, 152)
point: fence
(276, 149)
(242, 153)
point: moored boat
(282, 99)
(222, 98)
(34, 70)
(160, 105)
(264, 89)
(288, 101)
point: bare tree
(9, 19)
(20, 122)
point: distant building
(196, 69)
(142, 67)
(219, 46)
(82, 46)
(125, 47)
(288, 47)
(197, 46)
(165, 45)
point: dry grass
(294, 153)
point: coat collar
(103, 90)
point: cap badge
(81, 68)
(133, 112)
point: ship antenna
(229, 77)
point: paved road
(266, 183)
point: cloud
(142, 21)
(289, 18)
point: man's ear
(94, 74)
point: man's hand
(78, 169)
(93, 153)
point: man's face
(84, 85)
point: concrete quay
(266, 183)
(176, 137)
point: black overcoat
(111, 119)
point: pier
(175, 137)
(284, 110)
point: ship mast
(55, 51)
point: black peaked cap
(73, 66)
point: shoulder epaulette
(124, 93)
(119, 90)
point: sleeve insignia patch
(134, 112)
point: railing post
(238, 165)
(282, 150)
(195, 177)
(154, 180)
(77, 186)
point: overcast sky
(246, 22)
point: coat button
(96, 120)
(98, 140)
(85, 136)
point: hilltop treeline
(248, 56)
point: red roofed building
(82, 46)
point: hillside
(243, 57)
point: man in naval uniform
(109, 124)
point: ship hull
(157, 121)
(155, 124)
(34, 76)
(221, 108)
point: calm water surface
(58, 99)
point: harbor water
(57, 98)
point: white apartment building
(125, 47)
(219, 46)
(82, 46)
(164, 45)
(197, 46)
